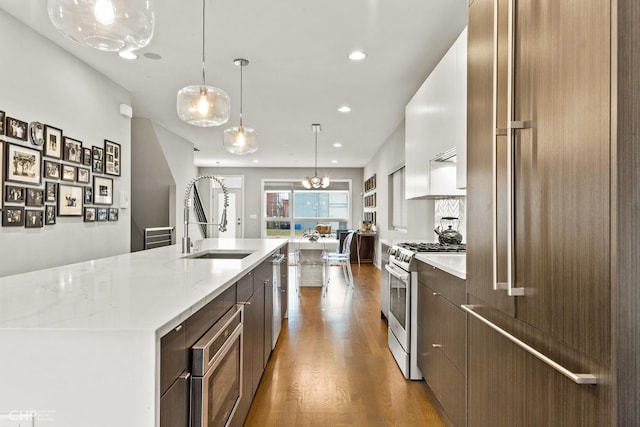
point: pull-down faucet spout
(222, 226)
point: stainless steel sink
(219, 254)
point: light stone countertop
(452, 263)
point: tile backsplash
(452, 207)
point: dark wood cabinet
(442, 339)
(363, 244)
(175, 405)
(557, 134)
(174, 357)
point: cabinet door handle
(178, 328)
(435, 294)
(244, 302)
(436, 345)
(185, 375)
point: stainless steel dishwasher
(278, 293)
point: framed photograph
(13, 217)
(97, 160)
(51, 170)
(83, 175)
(49, 215)
(113, 157)
(35, 197)
(102, 191)
(17, 129)
(113, 214)
(68, 173)
(70, 200)
(50, 191)
(103, 214)
(86, 156)
(72, 150)
(90, 214)
(1, 171)
(35, 218)
(23, 164)
(2, 119)
(52, 142)
(14, 194)
(88, 195)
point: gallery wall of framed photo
(55, 176)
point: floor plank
(332, 366)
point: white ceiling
(298, 74)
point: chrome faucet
(222, 226)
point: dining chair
(342, 259)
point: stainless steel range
(403, 289)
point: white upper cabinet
(435, 123)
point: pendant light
(202, 105)
(108, 25)
(240, 139)
(316, 181)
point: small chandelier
(240, 139)
(316, 181)
(202, 105)
(108, 25)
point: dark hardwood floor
(332, 366)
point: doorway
(235, 226)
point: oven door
(217, 388)
(399, 306)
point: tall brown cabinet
(552, 90)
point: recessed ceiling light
(337, 144)
(334, 161)
(344, 109)
(127, 54)
(357, 55)
(256, 161)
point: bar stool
(342, 258)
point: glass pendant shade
(316, 181)
(203, 106)
(240, 140)
(108, 25)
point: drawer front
(453, 333)
(200, 322)
(263, 272)
(174, 404)
(174, 357)
(245, 287)
(450, 286)
(448, 385)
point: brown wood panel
(479, 157)
(450, 286)
(199, 322)
(245, 287)
(284, 281)
(332, 365)
(174, 357)
(267, 321)
(562, 85)
(174, 405)
(257, 338)
(626, 229)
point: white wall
(253, 186)
(420, 213)
(41, 82)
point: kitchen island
(81, 343)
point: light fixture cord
(315, 173)
(203, 40)
(241, 67)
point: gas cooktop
(432, 247)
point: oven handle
(395, 273)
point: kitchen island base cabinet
(441, 339)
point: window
(398, 206)
(291, 212)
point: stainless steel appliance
(403, 291)
(276, 261)
(217, 372)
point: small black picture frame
(34, 218)
(2, 120)
(86, 156)
(90, 214)
(51, 170)
(88, 195)
(13, 216)
(53, 142)
(68, 173)
(23, 164)
(72, 150)
(102, 190)
(102, 214)
(49, 215)
(50, 191)
(97, 159)
(83, 175)
(70, 200)
(112, 158)
(16, 129)
(113, 214)
(35, 197)
(14, 194)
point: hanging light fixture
(316, 181)
(109, 25)
(202, 105)
(240, 139)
